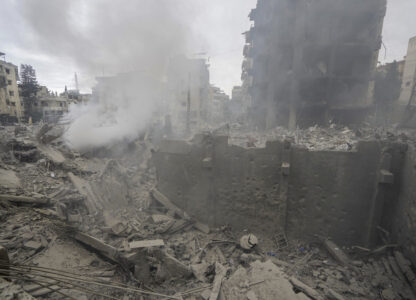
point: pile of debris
(333, 138)
(81, 225)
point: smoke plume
(105, 37)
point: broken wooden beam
(146, 244)
(162, 199)
(24, 199)
(337, 253)
(106, 250)
(307, 290)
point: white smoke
(107, 37)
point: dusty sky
(58, 37)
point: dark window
(11, 93)
(9, 82)
(7, 71)
(13, 103)
(408, 83)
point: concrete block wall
(326, 193)
(404, 214)
(330, 193)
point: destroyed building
(308, 62)
(188, 93)
(11, 109)
(48, 107)
(219, 103)
(408, 93)
(159, 188)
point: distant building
(11, 109)
(409, 74)
(237, 105)
(48, 106)
(74, 96)
(307, 62)
(219, 106)
(188, 93)
(382, 69)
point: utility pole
(76, 82)
(188, 106)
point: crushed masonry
(61, 234)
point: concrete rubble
(88, 226)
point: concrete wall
(404, 211)
(332, 194)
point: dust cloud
(132, 38)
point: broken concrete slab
(8, 179)
(33, 245)
(266, 280)
(24, 199)
(92, 202)
(220, 272)
(174, 267)
(9, 290)
(307, 290)
(52, 154)
(146, 244)
(106, 250)
(337, 253)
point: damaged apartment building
(11, 109)
(308, 62)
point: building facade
(188, 92)
(219, 106)
(48, 107)
(409, 75)
(11, 109)
(307, 62)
